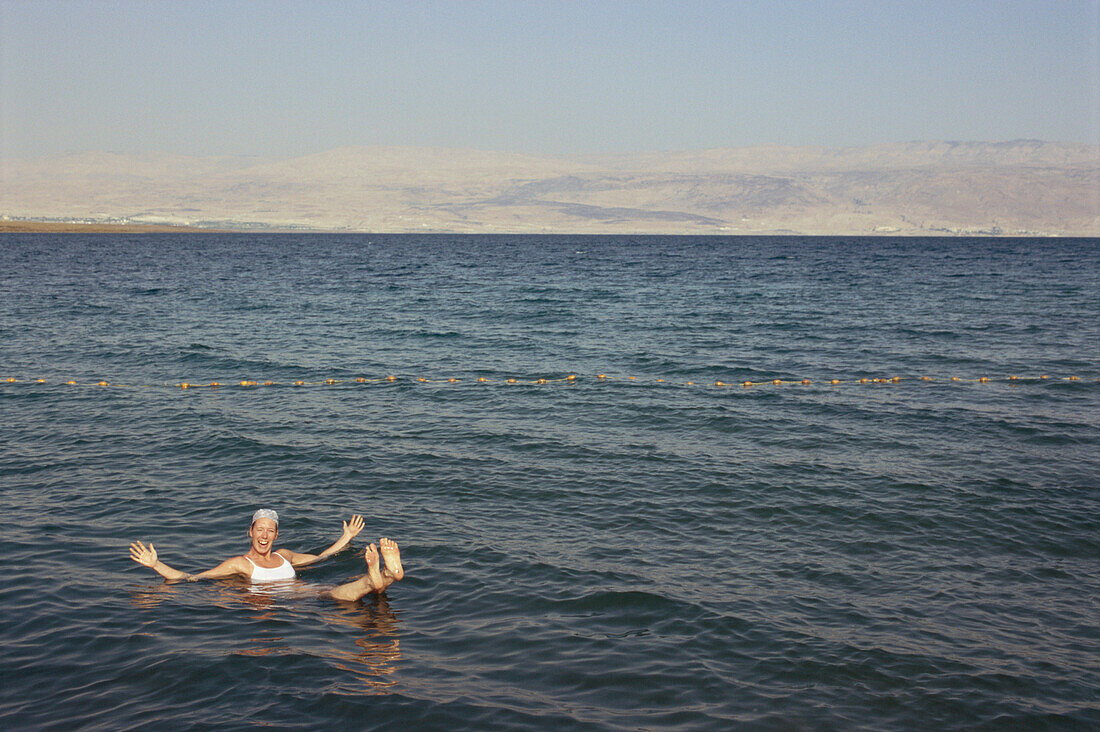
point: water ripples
(598, 555)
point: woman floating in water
(263, 563)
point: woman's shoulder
(240, 565)
(285, 554)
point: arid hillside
(1021, 187)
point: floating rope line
(569, 380)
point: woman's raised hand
(353, 527)
(145, 556)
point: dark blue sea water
(591, 554)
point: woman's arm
(146, 556)
(351, 530)
(232, 567)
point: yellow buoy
(391, 377)
(185, 385)
(71, 382)
(835, 381)
(955, 378)
(805, 381)
(421, 379)
(1044, 376)
(690, 383)
(11, 379)
(511, 381)
(269, 383)
(103, 383)
(299, 383)
(40, 381)
(452, 380)
(896, 379)
(864, 380)
(777, 382)
(1075, 378)
(571, 377)
(360, 380)
(598, 376)
(1014, 377)
(541, 381)
(983, 379)
(482, 379)
(926, 378)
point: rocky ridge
(1022, 187)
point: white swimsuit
(284, 571)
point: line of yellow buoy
(570, 379)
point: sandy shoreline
(60, 227)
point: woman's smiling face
(263, 533)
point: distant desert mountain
(781, 159)
(1022, 187)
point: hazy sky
(290, 78)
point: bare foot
(374, 577)
(372, 581)
(392, 555)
